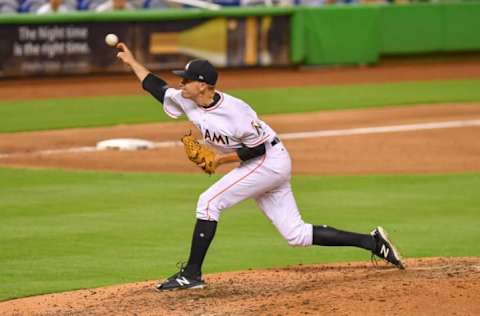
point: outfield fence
(73, 43)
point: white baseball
(111, 39)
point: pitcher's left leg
(239, 184)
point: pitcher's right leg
(280, 207)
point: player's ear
(208, 87)
(203, 86)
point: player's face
(190, 88)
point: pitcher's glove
(200, 154)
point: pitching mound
(433, 286)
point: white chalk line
(302, 135)
(382, 129)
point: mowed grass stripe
(64, 230)
(113, 110)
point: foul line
(313, 134)
(381, 129)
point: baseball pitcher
(236, 134)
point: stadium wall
(360, 35)
(250, 36)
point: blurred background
(40, 37)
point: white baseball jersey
(226, 126)
(230, 124)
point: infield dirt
(433, 286)
(437, 286)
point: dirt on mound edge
(429, 286)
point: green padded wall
(462, 27)
(335, 35)
(414, 28)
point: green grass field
(103, 111)
(64, 230)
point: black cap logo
(199, 70)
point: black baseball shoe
(385, 249)
(180, 281)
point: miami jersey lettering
(226, 126)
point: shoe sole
(196, 287)
(397, 255)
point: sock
(202, 237)
(329, 236)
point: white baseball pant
(267, 180)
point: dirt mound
(430, 286)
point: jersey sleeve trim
(171, 106)
(170, 113)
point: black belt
(275, 141)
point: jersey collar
(216, 103)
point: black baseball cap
(199, 70)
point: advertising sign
(79, 48)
